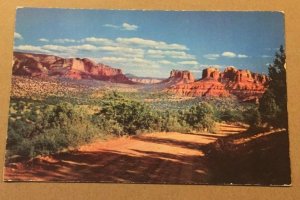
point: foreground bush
(37, 128)
(120, 115)
(201, 117)
(50, 130)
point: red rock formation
(76, 68)
(211, 73)
(201, 88)
(244, 84)
(247, 86)
(180, 77)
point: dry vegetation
(48, 116)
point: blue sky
(152, 43)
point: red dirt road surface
(149, 158)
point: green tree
(201, 116)
(121, 114)
(273, 104)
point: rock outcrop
(180, 77)
(211, 73)
(201, 88)
(26, 64)
(244, 84)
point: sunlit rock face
(26, 64)
(244, 84)
(180, 77)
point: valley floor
(149, 158)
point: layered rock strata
(244, 84)
(26, 64)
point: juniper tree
(273, 104)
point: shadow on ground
(212, 159)
(139, 166)
(239, 159)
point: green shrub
(252, 117)
(201, 117)
(231, 115)
(50, 130)
(126, 115)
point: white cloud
(228, 54)
(173, 54)
(126, 53)
(224, 54)
(111, 26)
(242, 56)
(188, 62)
(43, 40)
(113, 59)
(156, 55)
(125, 26)
(86, 47)
(64, 40)
(126, 62)
(129, 27)
(203, 66)
(95, 40)
(30, 48)
(56, 48)
(211, 56)
(123, 50)
(165, 62)
(150, 43)
(18, 36)
(126, 47)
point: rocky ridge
(244, 84)
(27, 64)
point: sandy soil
(149, 158)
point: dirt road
(149, 158)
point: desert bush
(173, 121)
(48, 129)
(201, 117)
(231, 115)
(252, 117)
(126, 115)
(269, 109)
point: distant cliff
(27, 64)
(244, 84)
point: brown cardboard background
(143, 191)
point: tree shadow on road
(113, 166)
(260, 160)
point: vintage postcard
(129, 96)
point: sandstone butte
(28, 64)
(246, 85)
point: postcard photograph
(135, 96)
